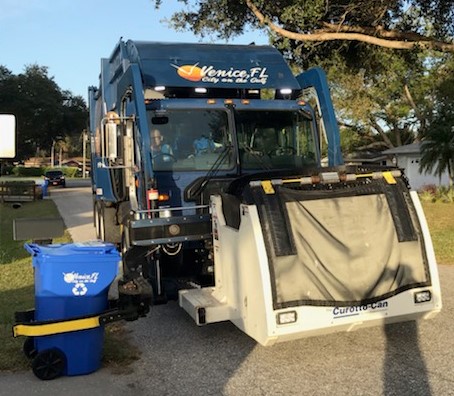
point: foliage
(438, 149)
(43, 111)
(384, 98)
(438, 145)
(307, 27)
(28, 172)
(38, 171)
(432, 193)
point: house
(408, 158)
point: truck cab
(220, 112)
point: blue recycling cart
(65, 332)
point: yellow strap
(389, 178)
(267, 186)
(55, 328)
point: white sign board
(7, 136)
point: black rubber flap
(349, 245)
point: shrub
(68, 171)
(446, 194)
(6, 170)
(28, 172)
(432, 193)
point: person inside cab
(160, 151)
(203, 145)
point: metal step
(203, 307)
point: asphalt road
(179, 358)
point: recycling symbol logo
(79, 289)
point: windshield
(275, 139)
(190, 140)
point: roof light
(286, 91)
(228, 101)
(211, 101)
(160, 88)
(245, 101)
(201, 90)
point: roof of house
(414, 148)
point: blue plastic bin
(73, 280)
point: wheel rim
(49, 364)
(102, 233)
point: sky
(71, 36)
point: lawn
(440, 217)
(17, 292)
(17, 286)
(16, 278)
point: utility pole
(84, 152)
(52, 154)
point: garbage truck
(206, 172)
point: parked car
(55, 178)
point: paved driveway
(179, 358)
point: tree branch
(381, 132)
(387, 39)
(418, 113)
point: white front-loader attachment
(274, 295)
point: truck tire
(97, 220)
(109, 228)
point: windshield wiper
(256, 155)
(212, 171)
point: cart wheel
(29, 348)
(49, 364)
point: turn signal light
(162, 197)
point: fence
(19, 191)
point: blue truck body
(226, 112)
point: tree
(385, 96)
(397, 24)
(43, 111)
(438, 148)
(438, 145)
(391, 101)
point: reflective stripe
(389, 178)
(37, 330)
(267, 187)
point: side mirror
(7, 136)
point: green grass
(440, 217)
(17, 293)
(17, 286)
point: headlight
(286, 317)
(423, 296)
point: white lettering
(75, 277)
(256, 75)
